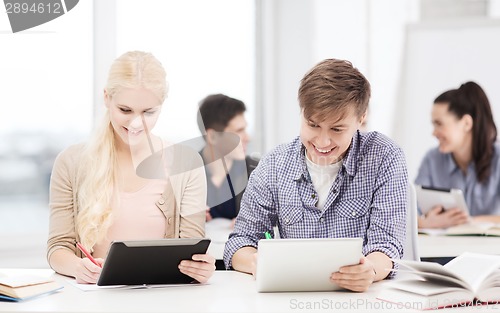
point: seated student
(96, 196)
(225, 181)
(332, 181)
(467, 158)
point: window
(46, 105)
(206, 47)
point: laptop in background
(303, 264)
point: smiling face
(453, 133)
(327, 142)
(132, 111)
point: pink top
(136, 217)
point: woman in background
(96, 195)
(467, 157)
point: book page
(474, 268)
(491, 295)
(23, 280)
(432, 231)
(425, 288)
(470, 229)
(434, 272)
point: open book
(468, 229)
(23, 287)
(466, 280)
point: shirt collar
(452, 166)
(352, 158)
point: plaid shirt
(366, 200)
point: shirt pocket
(353, 208)
(291, 222)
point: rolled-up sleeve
(387, 230)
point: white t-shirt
(322, 177)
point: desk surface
(228, 291)
(451, 246)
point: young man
(226, 166)
(332, 181)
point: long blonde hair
(97, 170)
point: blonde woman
(96, 196)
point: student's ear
(107, 98)
(468, 122)
(362, 119)
(211, 137)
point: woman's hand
(87, 272)
(201, 267)
(355, 277)
(439, 218)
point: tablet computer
(149, 262)
(303, 264)
(428, 197)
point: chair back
(410, 251)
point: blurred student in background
(226, 164)
(96, 194)
(467, 157)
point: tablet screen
(428, 197)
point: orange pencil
(87, 254)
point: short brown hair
(216, 111)
(333, 86)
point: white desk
(228, 291)
(451, 246)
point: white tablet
(303, 264)
(148, 262)
(428, 197)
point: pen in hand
(87, 254)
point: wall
(297, 34)
(408, 66)
(440, 56)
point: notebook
(303, 264)
(149, 262)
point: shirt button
(169, 221)
(161, 201)
(287, 220)
(313, 196)
(322, 219)
(354, 213)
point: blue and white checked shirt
(366, 200)
(439, 170)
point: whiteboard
(438, 57)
